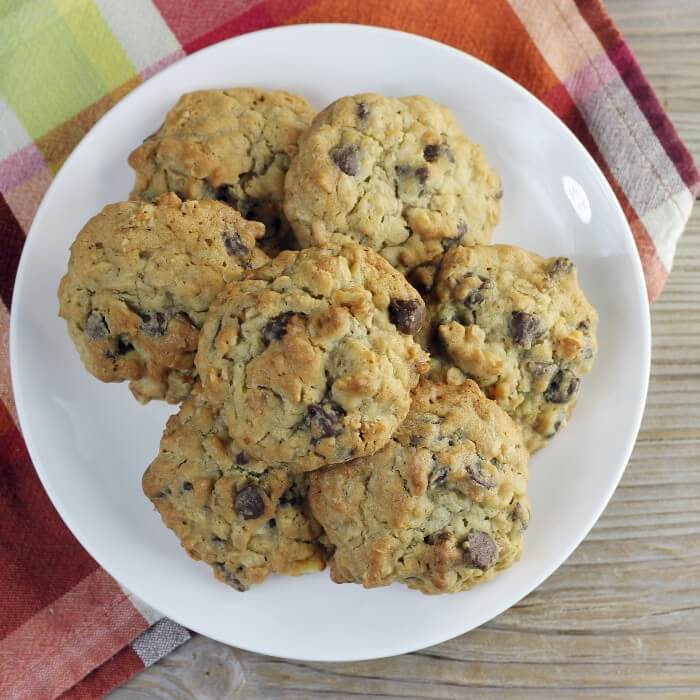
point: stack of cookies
(362, 377)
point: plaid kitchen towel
(66, 627)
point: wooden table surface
(621, 619)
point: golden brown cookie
(441, 508)
(243, 518)
(312, 356)
(234, 145)
(140, 281)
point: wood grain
(621, 619)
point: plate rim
(23, 411)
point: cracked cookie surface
(140, 280)
(234, 145)
(396, 175)
(244, 519)
(441, 508)
(520, 326)
(312, 356)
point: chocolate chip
(234, 244)
(187, 486)
(216, 540)
(346, 158)
(362, 110)
(324, 421)
(230, 578)
(563, 387)
(249, 502)
(422, 174)
(525, 328)
(291, 497)
(272, 523)
(276, 327)
(242, 458)
(154, 324)
(477, 475)
(436, 538)
(96, 326)
(560, 266)
(438, 477)
(584, 325)
(482, 550)
(403, 170)
(124, 346)
(433, 151)
(407, 315)
(473, 298)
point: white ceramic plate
(90, 442)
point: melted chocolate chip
(477, 475)
(242, 458)
(324, 420)
(154, 324)
(362, 110)
(433, 151)
(187, 486)
(422, 174)
(407, 315)
(249, 502)
(276, 327)
(96, 326)
(563, 387)
(525, 328)
(347, 159)
(560, 266)
(482, 551)
(234, 244)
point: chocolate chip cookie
(520, 326)
(140, 281)
(441, 508)
(396, 175)
(312, 356)
(243, 518)
(234, 145)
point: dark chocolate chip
(272, 523)
(187, 486)
(362, 110)
(422, 174)
(403, 170)
(291, 497)
(216, 540)
(324, 420)
(96, 326)
(242, 458)
(584, 325)
(249, 502)
(154, 324)
(473, 298)
(438, 477)
(347, 159)
(525, 328)
(563, 387)
(560, 266)
(230, 578)
(407, 315)
(477, 475)
(276, 327)
(431, 152)
(124, 346)
(234, 244)
(482, 551)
